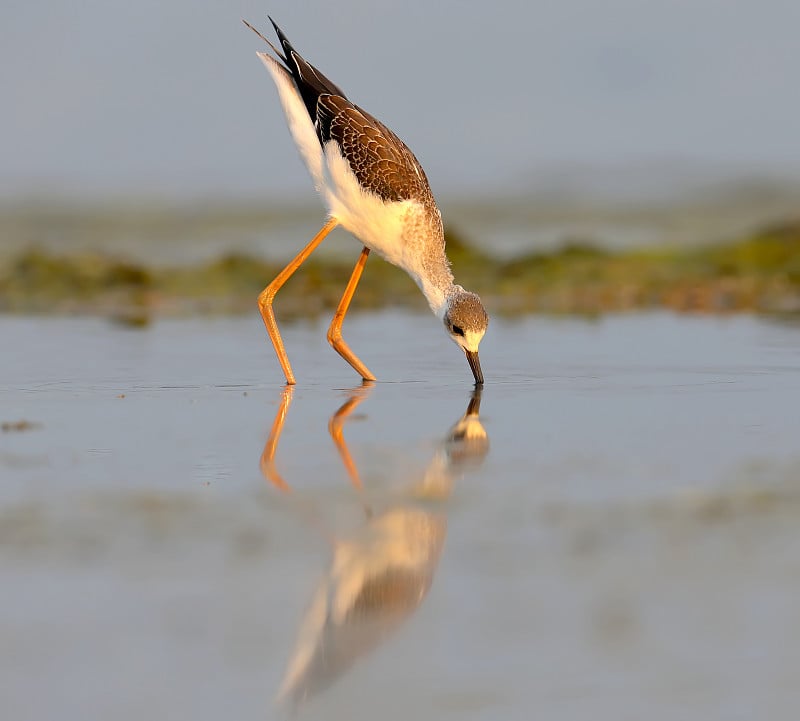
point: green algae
(759, 273)
(756, 273)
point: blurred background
(150, 133)
(620, 98)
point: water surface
(613, 534)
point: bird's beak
(475, 365)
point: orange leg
(268, 294)
(267, 463)
(335, 330)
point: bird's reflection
(380, 574)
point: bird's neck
(430, 267)
(437, 290)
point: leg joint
(266, 296)
(334, 334)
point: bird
(375, 188)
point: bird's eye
(457, 330)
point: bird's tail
(309, 81)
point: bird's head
(465, 321)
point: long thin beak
(475, 364)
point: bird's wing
(381, 162)
(310, 82)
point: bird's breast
(391, 228)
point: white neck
(437, 295)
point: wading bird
(374, 187)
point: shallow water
(613, 535)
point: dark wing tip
(285, 44)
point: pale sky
(167, 98)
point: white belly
(388, 228)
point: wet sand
(615, 538)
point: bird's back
(381, 162)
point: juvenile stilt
(375, 188)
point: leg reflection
(336, 428)
(267, 463)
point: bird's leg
(267, 295)
(336, 429)
(267, 463)
(335, 330)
